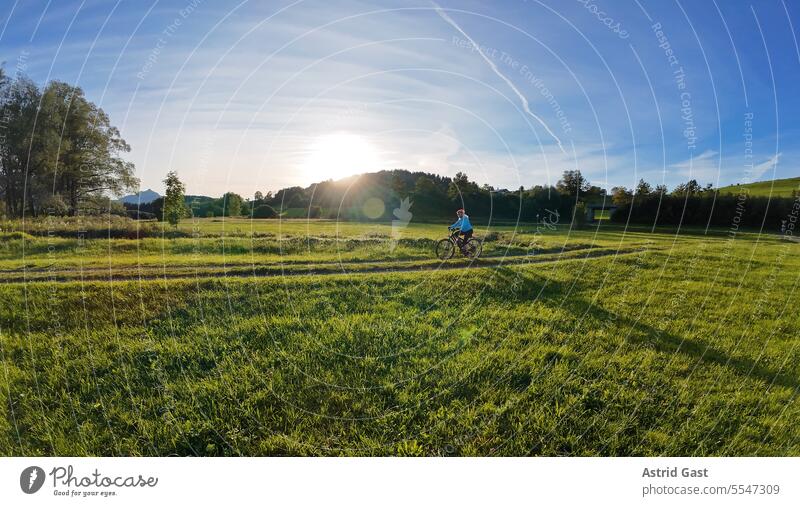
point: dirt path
(98, 274)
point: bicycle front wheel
(445, 249)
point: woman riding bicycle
(464, 225)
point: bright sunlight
(340, 155)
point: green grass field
(776, 188)
(323, 338)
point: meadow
(772, 188)
(295, 337)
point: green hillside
(774, 188)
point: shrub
(12, 236)
(90, 227)
(54, 205)
(264, 211)
(491, 237)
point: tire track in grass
(317, 269)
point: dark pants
(465, 236)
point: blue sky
(262, 95)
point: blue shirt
(462, 223)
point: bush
(115, 227)
(13, 236)
(264, 211)
(491, 237)
(54, 205)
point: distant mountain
(774, 188)
(143, 197)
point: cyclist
(465, 227)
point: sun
(339, 155)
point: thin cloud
(492, 65)
(703, 167)
(761, 168)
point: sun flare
(335, 156)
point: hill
(143, 197)
(772, 188)
(375, 196)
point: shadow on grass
(567, 297)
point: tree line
(692, 204)
(59, 152)
(60, 155)
(176, 205)
(435, 198)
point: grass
(677, 345)
(773, 188)
(218, 246)
(602, 214)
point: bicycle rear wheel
(473, 248)
(445, 249)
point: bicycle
(446, 248)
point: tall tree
(427, 197)
(572, 183)
(174, 200)
(621, 195)
(57, 146)
(88, 164)
(399, 185)
(424, 187)
(691, 187)
(233, 204)
(21, 152)
(461, 188)
(643, 189)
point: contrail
(488, 60)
